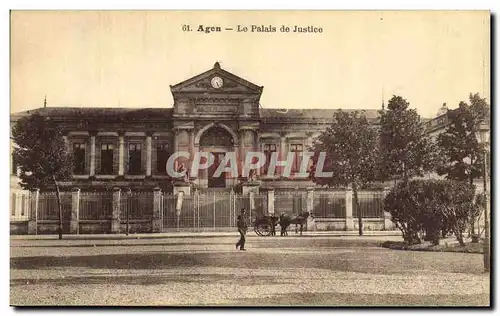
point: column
(309, 140)
(148, 155)
(92, 154)
(191, 146)
(282, 153)
(176, 146)
(349, 223)
(270, 202)
(75, 210)
(241, 148)
(257, 148)
(33, 217)
(115, 217)
(121, 154)
(156, 225)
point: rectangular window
(79, 158)
(268, 151)
(297, 156)
(106, 159)
(134, 159)
(162, 154)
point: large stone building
(215, 111)
(126, 150)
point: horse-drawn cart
(266, 225)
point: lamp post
(482, 135)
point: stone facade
(215, 111)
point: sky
(130, 58)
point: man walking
(242, 229)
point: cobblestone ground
(209, 271)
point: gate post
(251, 200)
(270, 202)
(115, 217)
(74, 225)
(33, 216)
(349, 223)
(310, 224)
(157, 211)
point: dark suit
(242, 229)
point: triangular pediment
(225, 82)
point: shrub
(431, 208)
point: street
(197, 270)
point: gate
(210, 211)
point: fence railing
(200, 211)
(329, 204)
(136, 206)
(371, 205)
(48, 208)
(95, 205)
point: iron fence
(96, 205)
(329, 204)
(136, 205)
(371, 204)
(48, 208)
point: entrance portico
(216, 112)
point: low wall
(19, 228)
(330, 223)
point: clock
(217, 82)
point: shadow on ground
(151, 280)
(255, 242)
(374, 261)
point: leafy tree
(351, 150)
(42, 156)
(462, 155)
(406, 150)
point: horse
(286, 221)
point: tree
(406, 150)
(42, 156)
(462, 155)
(350, 146)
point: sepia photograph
(250, 158)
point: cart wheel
(263, 227)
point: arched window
(216, 137)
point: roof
(108, 113)
(311, 113)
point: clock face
(217, 82)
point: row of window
(296, 149)
(162, 155)
(107, 155)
